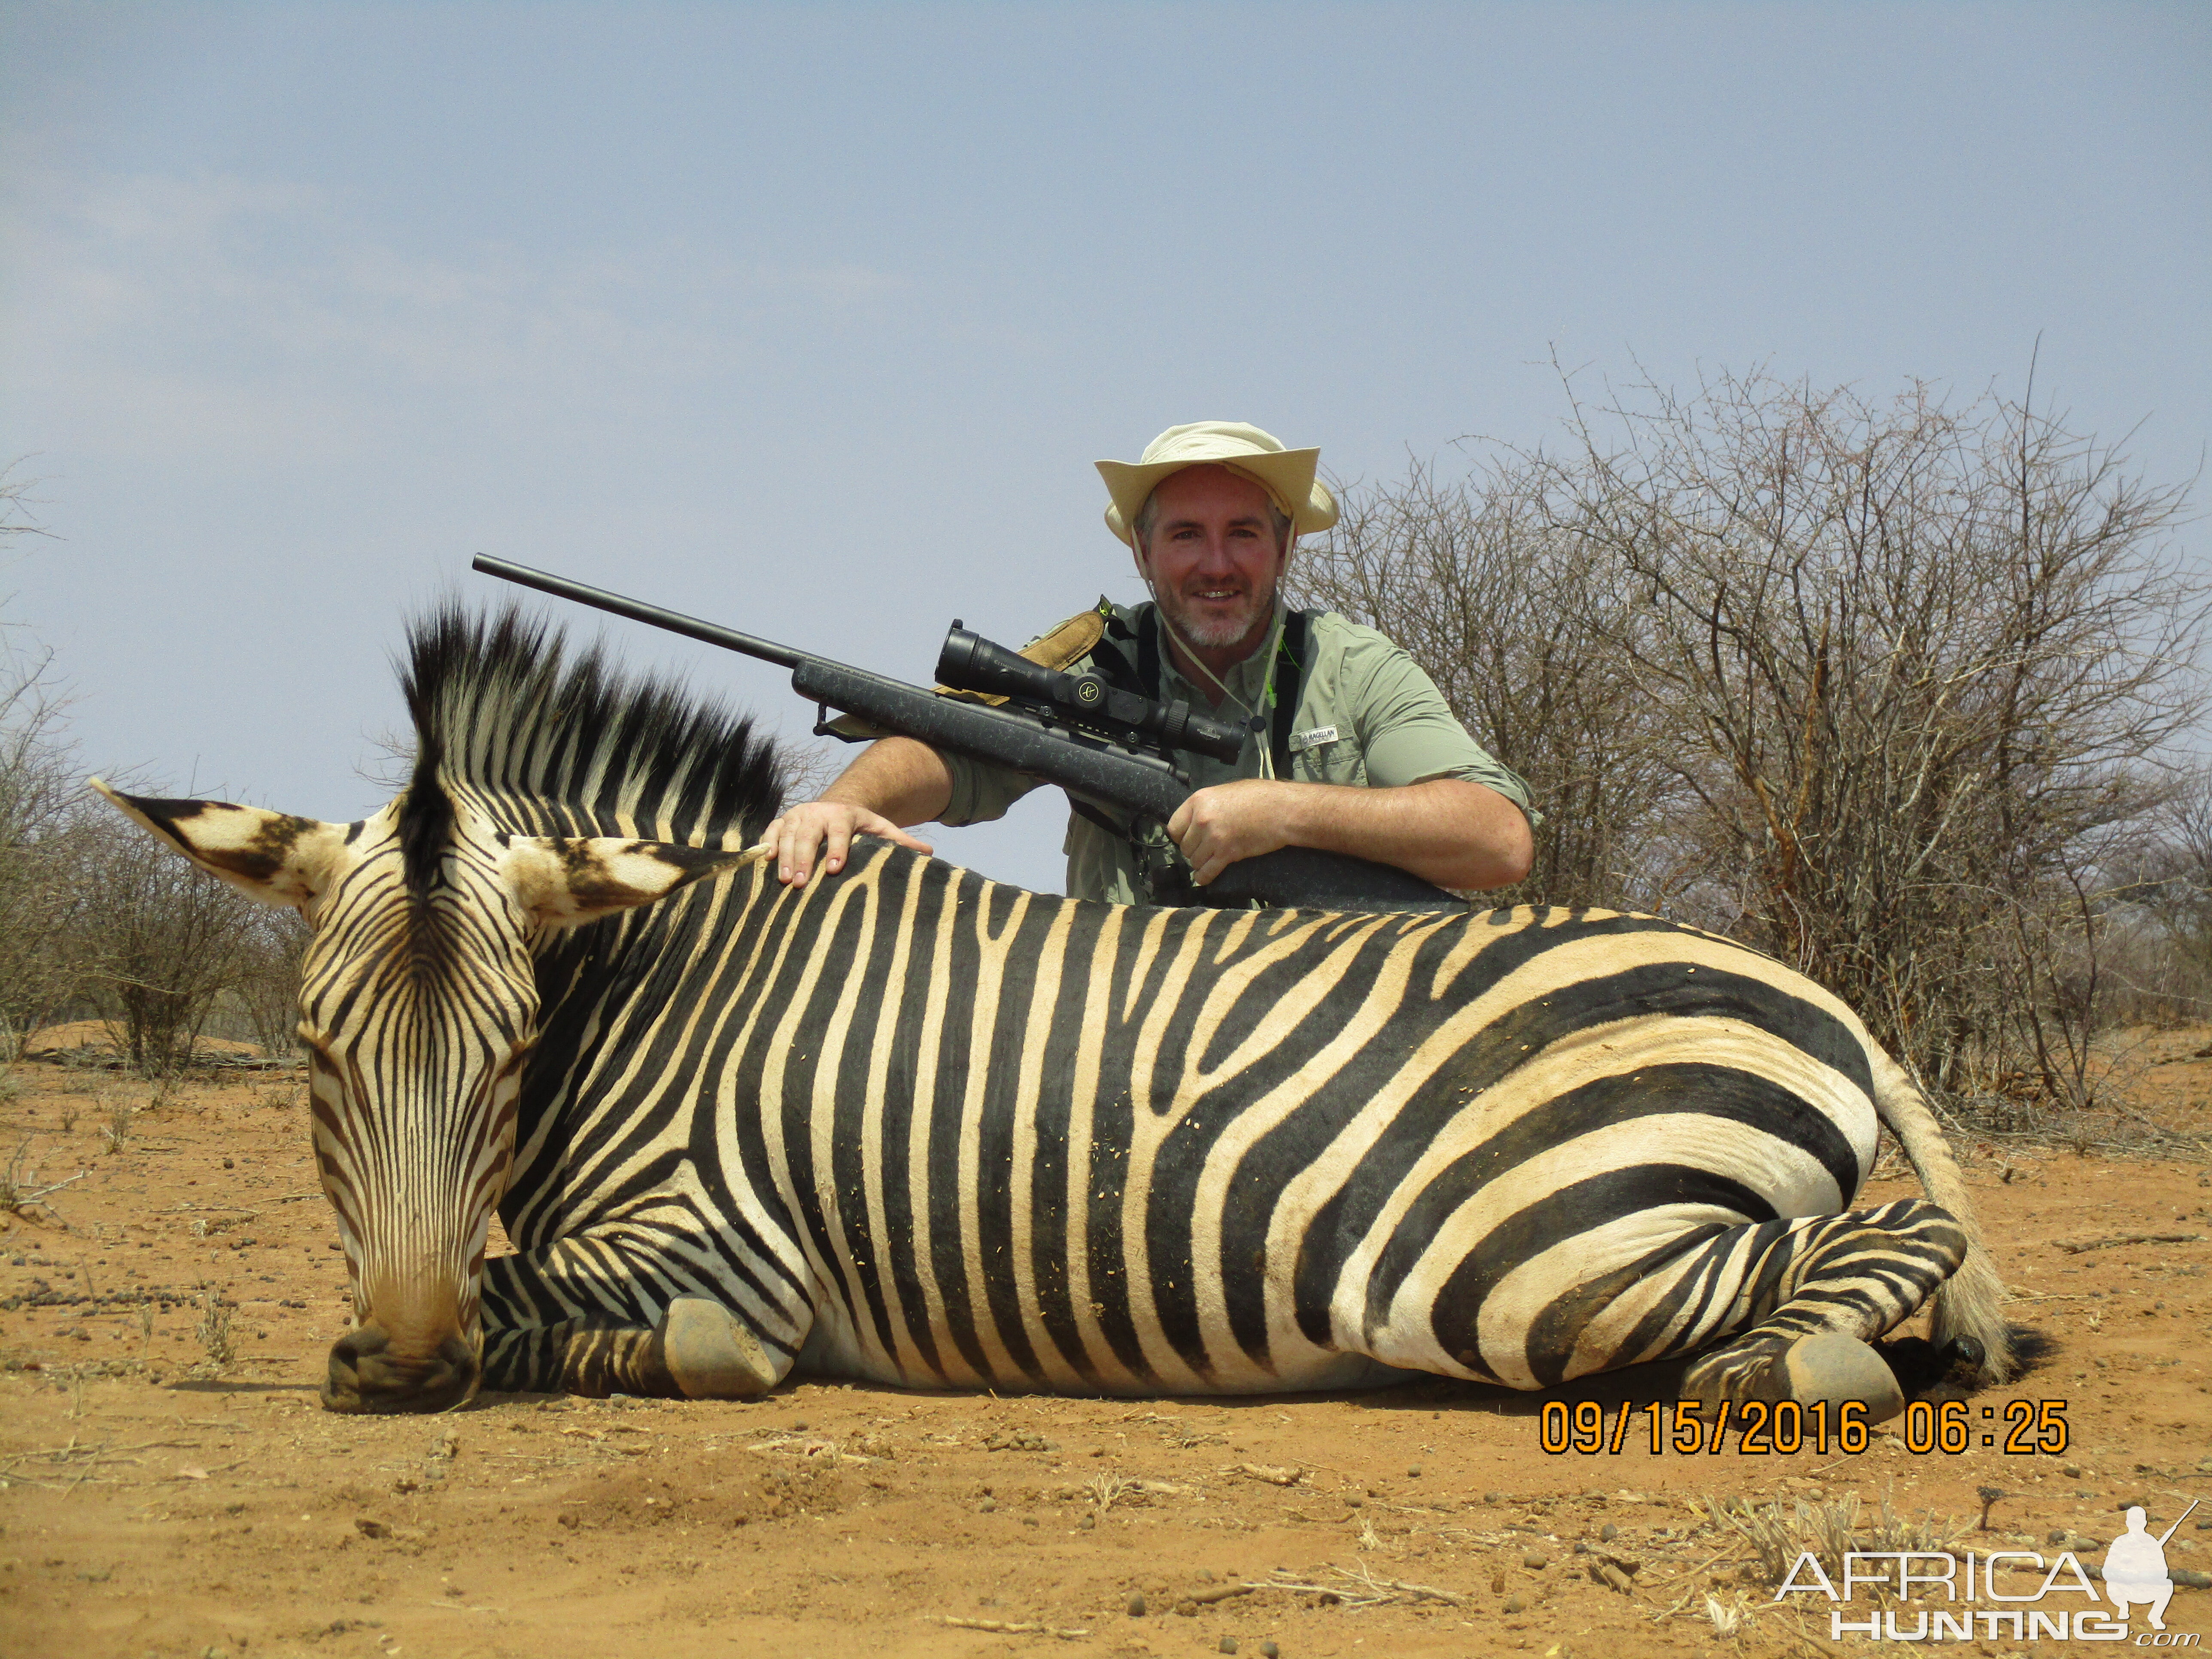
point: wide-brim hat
(1287, 474)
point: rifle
(1108, 748)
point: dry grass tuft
(22, 1187)
(122, 1119)
(213, 1326)
(1108, 1490)
(1825, 1531)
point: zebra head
(418, 1009)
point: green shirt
(1366, 715)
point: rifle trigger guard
(824, 727)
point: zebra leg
(698, 1351)
(593, 1354)
(1813, 1295)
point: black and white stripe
(911, 1125)
(918, 1127)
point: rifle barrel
(1087, 768)
(674, 621)
(2176, 1527)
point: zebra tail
(1971, 1302)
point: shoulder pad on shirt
(1060, 645)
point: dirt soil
(157, 1498)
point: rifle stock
(1088, 767)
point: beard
(1217, 625)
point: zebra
(911, 1125)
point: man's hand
(895, 776)
(1219, 826)
(827, 827)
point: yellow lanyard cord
(1267, 687)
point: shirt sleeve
(1407, 731)
(981, 791)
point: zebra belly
(1019, 1258)
(833, 1349)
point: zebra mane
(553, 742)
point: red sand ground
(157, 1504)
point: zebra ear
(564, 883)
(271, 856)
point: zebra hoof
(711, 1354)
(1836, 1368)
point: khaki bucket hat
(1287, 474)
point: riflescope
(970, 663)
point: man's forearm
(901, 778)
(1447, 830)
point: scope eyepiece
(971, 663)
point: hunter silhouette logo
(2135, 1568)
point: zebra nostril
(343, 1390)
(459, 1373)
(362, 1341)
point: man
(1356, 751)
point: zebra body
(977, 1136)
(909, 1125)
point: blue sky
(811, 320)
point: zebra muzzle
(367, 1374)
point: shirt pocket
(1328, 755)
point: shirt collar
(1247, 680)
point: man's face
(1212, 557)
